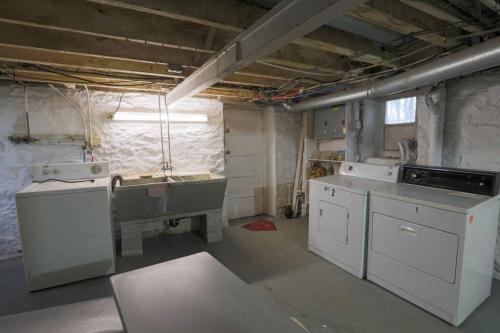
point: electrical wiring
(168, 135)
(111, 84)
(294, 69)
(64, 181)
(118, 107)
(77, 108)
(89, 116)
(111, 75)
(378, 74)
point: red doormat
(260, 225)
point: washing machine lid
(459, 202)
(57, 187)
(351, 184)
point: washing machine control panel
(70, 171)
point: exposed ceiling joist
(491, 4)
(429, 8)
(396, 16)
(284, 23)
(130, 26)
(64, 42)
(236, 16)
(27, 75)
(119, 66)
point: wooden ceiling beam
(491, 4)
(435, 11)
(396, 16)
(68, 43)
(120, 66)
(128, 26)
(27, 75)
(232, 15)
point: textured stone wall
(472, 127)
(130, 147)
(287, 126)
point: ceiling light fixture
(149, 116)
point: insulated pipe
(436, 124)
(473, 59)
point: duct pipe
(473, 59)
(434, 101)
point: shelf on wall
(320, 160)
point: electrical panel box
(329, 123)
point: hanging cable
(117, 108)
(90, 117)
(77, 108)
(26, 112)
(164, 165)
(168, 135)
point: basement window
(401, 111)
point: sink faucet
(165, 166)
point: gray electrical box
(329, 123)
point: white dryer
(65, 224)
(338, 210)
(432, 238)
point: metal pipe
(26, 112)
(473, 59)
(434, 101)
(89, 116)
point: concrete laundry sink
(158, 195)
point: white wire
(295, 70)
(163, 168)
(77, 108)
(89, 116)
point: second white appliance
(65, 224)
(338, 210)
(432, 238)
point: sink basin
(143, 198)
(143, 181)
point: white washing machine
(65, 224)
(432, 238)
(338, 210)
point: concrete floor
(279, 266)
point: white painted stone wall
(287, 126)
(471, 129)
(130, 147)
(472, 126)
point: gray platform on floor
(278, 266)
(194, 294)
(98, 315)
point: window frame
(395, 98)
(412, 93)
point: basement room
(250, 166)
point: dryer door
(333, 222)
(337, 226)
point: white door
(244, 161)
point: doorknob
(228, 152)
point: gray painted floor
(277, 264)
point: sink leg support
(131, 233)
(211, 226)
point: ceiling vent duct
(473, 59)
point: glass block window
(401, 111)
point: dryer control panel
(463, 180)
